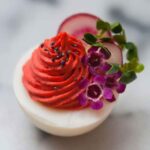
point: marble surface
(24, 23)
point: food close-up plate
(32, 117)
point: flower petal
(117, 75)
(112, 99)
(94, 91)
(99, 79)
(94, 59)
(120, 87)
(82, 99)
(105, 67)
(93, 49)
(92, 71)
(110, 81)
(83, 83)
(97, 105)
(107, 93)
(105, 52)
(84, 59)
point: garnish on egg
(106, 77)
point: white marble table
(24, 23)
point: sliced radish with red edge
(79, 24)
(116, 53)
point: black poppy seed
(68, 51)
(63, 54)
(59, 56)
(74, 45)
(53, 59)
(48, 52)
(63, 62)
(42, 45)
(67, 59)
(55, 88)
(52, 43)
(46, 49)
(56, 49)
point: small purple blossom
(105, 53)
(108, 94)
(102, 85)
(105, 67)
(93, 49)
(100, 79)
(120, 87)
(93, 91)
(97, 105)
(82, 99)
(83, 83)
(94, 60)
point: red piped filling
(51, 76)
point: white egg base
(54, 121)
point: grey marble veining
(25, 23)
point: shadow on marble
(117, 131)
(118, 14)
(54, 2)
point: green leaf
(128, 77)
(139, 68)
(132, 64)
(116, 27)
(102, 25)
(131, 54)
(106, 39)
(89, 38)
(132, 51)
(114, 68)
(120, 39)
(98, 44)
(130, 45)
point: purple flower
(105, 53)
(100, 79)
(97, 105)
(110, 82)
(108, 94)
(105, 67)
(120, 87)
(94, 91)
(101, 85)
(82, 99)
(92, 94)
(83, 83)
(94, 59)
(93, 49)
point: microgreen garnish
(107, 77)
(116, 27)
(102, 25)
(89, 38)
(128, 77)
(114, 68)
(119, 37)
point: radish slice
(116, 53)
(79, 24)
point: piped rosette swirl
(53, 73)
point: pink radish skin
(79, 24)
(116, 53)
